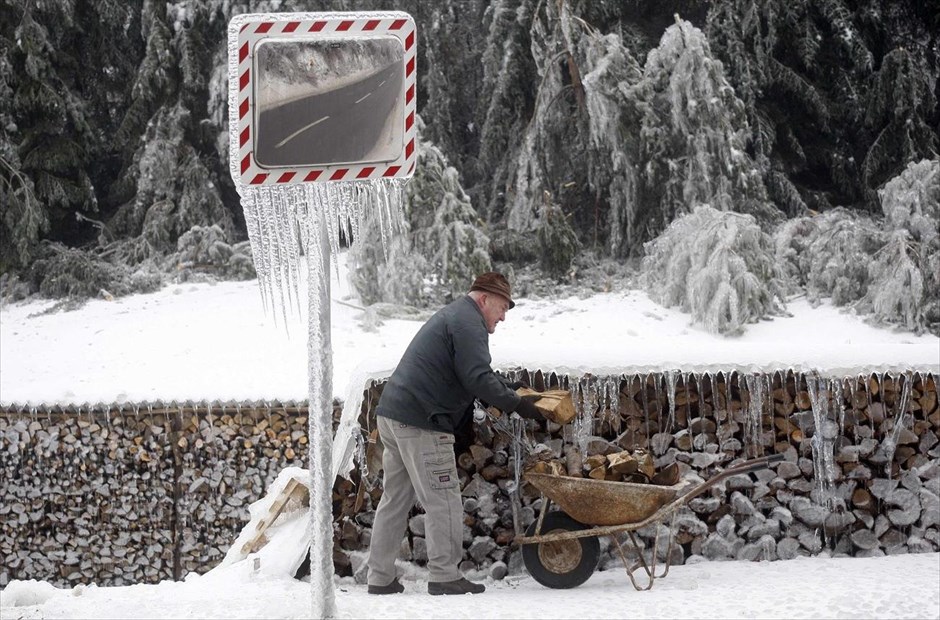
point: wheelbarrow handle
(741, 468)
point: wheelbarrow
(560, 549)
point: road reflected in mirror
(322, 102)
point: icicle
(839, 399)
(752, 422)
(584, 423)
(646, 407)
(613, 394)
(701, 408)
(901, 399)
(823, 439)
(687, 382)
(716, 401)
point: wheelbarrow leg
(545, 504)
(649, 569)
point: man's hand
(515, 385)
(527, 409)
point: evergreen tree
(900, 109)
(694, 135)
(443, 248)
(551, 155)
(508, 77)
(52, 138)
(452, 76)
(558, 243)
(611, 76)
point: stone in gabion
(930, 507)
(498, 570)
(419, 549)
(416, 525)
(716, 548)
(908, 507)
(864, 539)
(808, 512)
(788, 548)
(481, 547)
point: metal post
(320, 414)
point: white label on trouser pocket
(441, 474)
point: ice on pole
(321, 132)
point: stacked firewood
(122, 495)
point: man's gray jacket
(444, 368)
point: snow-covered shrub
(396, 274)
(60, 271)
(203, 249)
(558, 243)
(904, 286)
(896, 290)
(454, 245)
(791, 240)
(716, 265)
(911, 201)
(828, 254)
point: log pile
(122, 495)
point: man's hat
(493, 282)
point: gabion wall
(861, 474)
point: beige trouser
(419, 464)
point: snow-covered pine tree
(47, 142)
(610, 76)
(895, 293)
(900, 109)
(550, 154)
(558, 243)
(175, 192)
(716, 265)
(23, 219)
(443, 248)
(508, 72)
(694, 135)
(452, 75)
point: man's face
(494, 310)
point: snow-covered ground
(895, 587)
(216, 341)
(201, 341)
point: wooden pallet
(293, 489)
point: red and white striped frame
(245, 31)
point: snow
(887, 587)
(215, 342)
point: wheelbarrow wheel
(563, 563)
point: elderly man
(427, 398)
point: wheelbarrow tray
(605, 502)
(565, 555)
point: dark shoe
(392, 588)
(457, 586)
